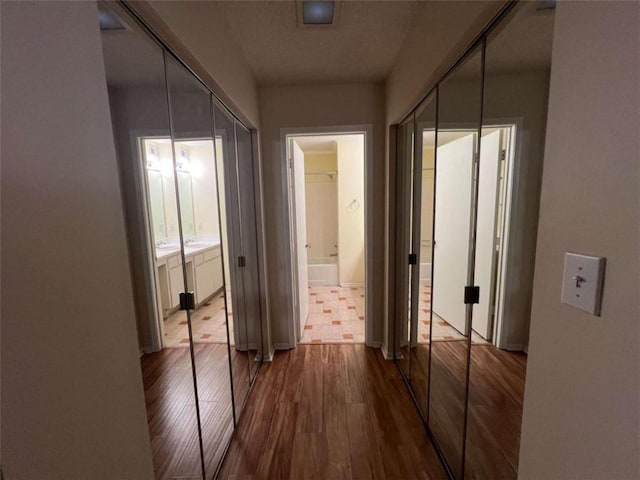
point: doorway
(327, 212)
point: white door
(452, 223)
(301, 234)
(486, 231)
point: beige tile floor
(336, 315)
(442, 331)
(208, 324)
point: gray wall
(316, 106)
(581, 411)
(73, 404)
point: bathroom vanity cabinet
(203, 271)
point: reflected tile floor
(336, 315)
(208, 324)
(442, 331)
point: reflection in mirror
(226, 158)
(422, 241)
(196, 182)
(517, 64)
(136, 83)
(404, 221)
(459, 109)
(250, 274)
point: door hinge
(242, 261)
(471, 295)
(187, 301)
(503, 155)
(413, 259)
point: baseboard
(352, 284)
(375, 344)
(516, 347)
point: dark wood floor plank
(330, 412)
(171, 413)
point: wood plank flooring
(330, 412)
(171, 413)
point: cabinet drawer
(199, 258)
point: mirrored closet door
(479, 146)
(201, 248)
(404, 219)
(459, 110)
(422, 246)
(178, 155)
(227, 159)
(138, 99)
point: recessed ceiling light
(318, 12)
(109, 20)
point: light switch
(582, 282)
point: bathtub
(323, 271)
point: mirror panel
(404, 219)
(459, 109)
(423, 200)
(196, 183)
(516, 84)
(134, 67)
(250, 273)
(226, 157)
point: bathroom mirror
(458, 129)
(156, 203)
(186, 204)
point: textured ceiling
(362, 46)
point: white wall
(581, 411)
(316, 106)
(73, 404)
(351, 207)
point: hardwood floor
(171, 413)
(496, 393)
(330, 412)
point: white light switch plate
(582, 282)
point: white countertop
(193, 248)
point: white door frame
(291, 272)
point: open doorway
(326, 195)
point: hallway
(330, 411)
